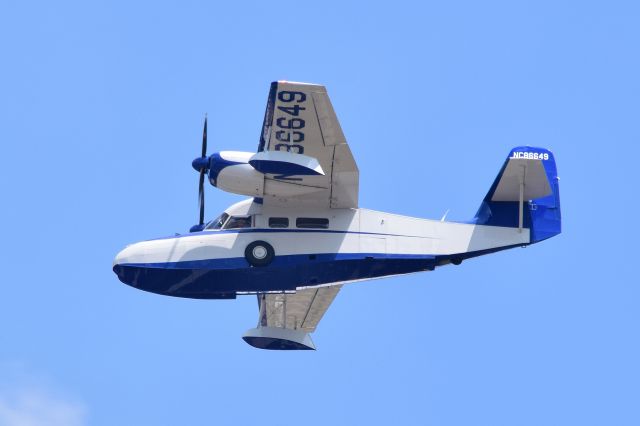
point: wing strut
(261, 304)
(284, 312)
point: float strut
(284, 312)
(262, 308)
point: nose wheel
(259, 253)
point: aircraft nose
(118, 259)
(131, 254)
(137, 266)
(123, 256)
(134, 253)
(125, 261)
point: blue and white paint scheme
(301, 235)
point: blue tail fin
(536, 169)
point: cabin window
(218, 222)
(238, 222)
(312, 222)
(278, 222)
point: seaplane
(301, 235)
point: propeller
(201, 164)
(202, 173)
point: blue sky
(101, 108)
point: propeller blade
(201, 197)
(202, 173)
(204, 138)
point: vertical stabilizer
(525, 194)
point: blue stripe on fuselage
(278, 261)
(209, 278)
(223, 278)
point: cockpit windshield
(217, 222)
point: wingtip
(299, 83)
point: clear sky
(101, 109)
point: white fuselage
(376, 243)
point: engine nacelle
(231, 172)
(244, 172)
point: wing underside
(302, 310)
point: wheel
(259, 253)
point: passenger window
(312, 222)
(237, 222)
(278, 222)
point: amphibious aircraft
(301, 235)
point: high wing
(299, 119)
